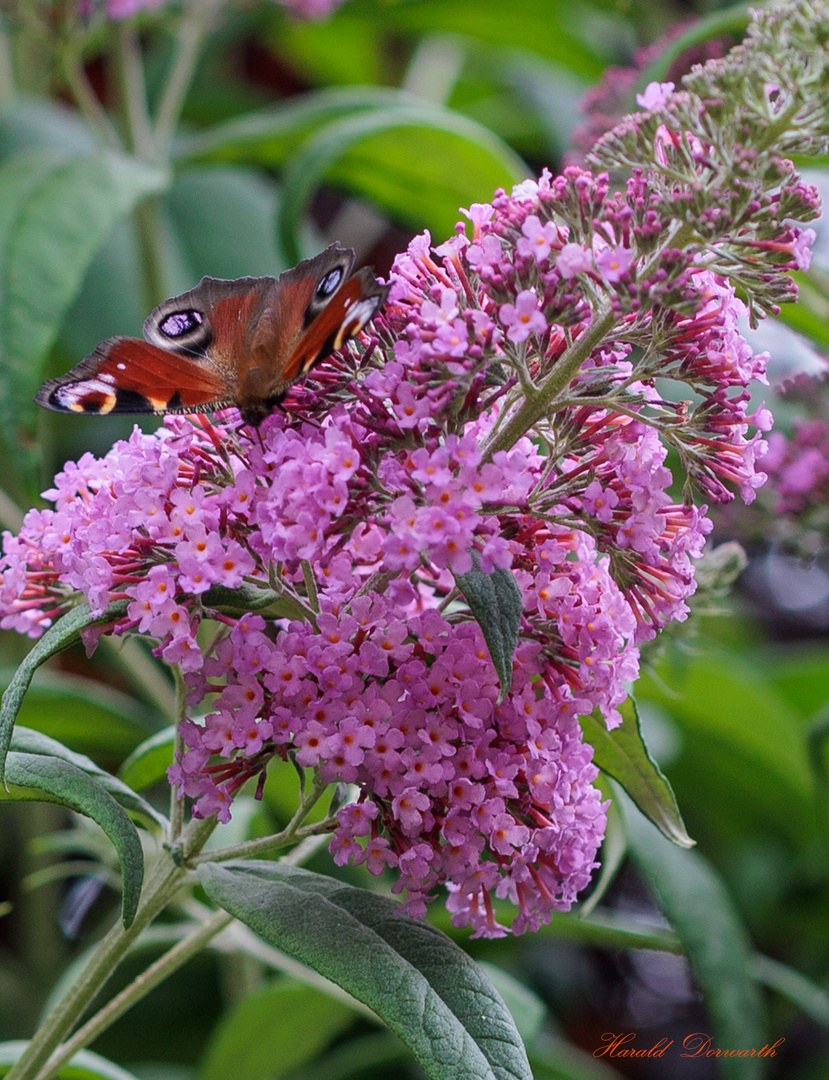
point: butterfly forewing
(354, 305)
(127, 375)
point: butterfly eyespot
(181, 322)
(330, 283)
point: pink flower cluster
(456, 788)
(798, 468)
(379, 689)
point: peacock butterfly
(225, 343)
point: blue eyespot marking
(181, 322)
(330, 283)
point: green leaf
(270, 136)
(426, 989)
(743, 763)
(695, 901)
(65, 632)
(557, 29)
(556, 1059)
(85, 713)
(378, 1053)
(526, 1008)
(420, 163)
(271, 1033)
(223, 218)
(84, 1065)
(622, 754)
(495, 601)
(57, 226)
(33, 742)
(37, 778)
(35, 123)
(148, 763)
(813, 1000)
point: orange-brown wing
(345, 314)
(127, 375)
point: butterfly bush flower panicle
(508, 425)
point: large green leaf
(223, 218)
(622, 754)
(573, 34)
(270, 136)
(273, 1032)
(84, 1065)
(65, 632)
(695, 901)
(420, 163)
(85, 713)
(148, 763)
(426, 989)
(743, 762)
(32, 123)
(27, 741)
(56, 227)
(38, 778)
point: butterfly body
(223, 343)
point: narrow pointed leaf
(427, 990)
(271, 1033)
(148, 763)
(622, 754)
(27, 741)
(495, 601)
(65, 632)
(37, 778)
(419, 163)
(697, 904)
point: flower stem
(176, 803)
(86, 100)
(193, 29)
(155, 974)
(535, 406)
(166, 878)
(289, 835)
(133, 91)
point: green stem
(536, 406)
(176, 803)
(289, 835)
(7, 87)
(167, 876)
(148, 225)
(310, 586)
(251, 848)
(159, 890)
(193, 29)
(86, 100)
(133, 91)
(155, 974)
